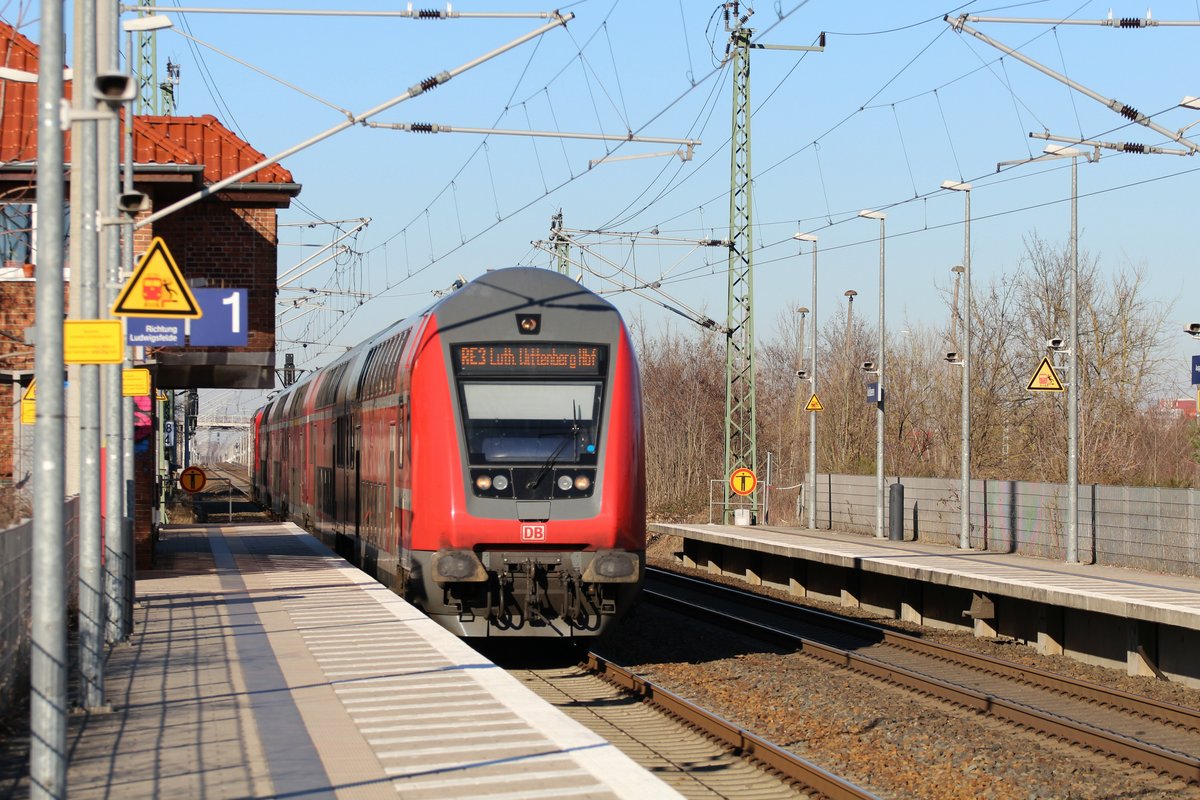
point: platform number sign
(225, 321)
(1195, 370)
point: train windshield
(530, 422)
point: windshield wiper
(553, 459)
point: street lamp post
(879, 397)
(812, 377)
(1072, 360)
(964, 530)
(1060, 151)
(122, 567)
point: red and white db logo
(533, 533)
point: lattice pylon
(740, 426)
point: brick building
(226, 240)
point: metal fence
(16, 565)
(1123, 526)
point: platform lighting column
(879, 397)
(1060, 151)
(964, 530)
(109, 56)
(84, 164)
(48, 651)
(812, 377)
(1073, 369)
(149, 22)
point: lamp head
(956, 186)
(150, 22)
(867, 213)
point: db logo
(533, 533)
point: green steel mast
(740, 430)
(740, 426)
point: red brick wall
(17, 312)
(228, 247)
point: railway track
(697, 753)
(1158, 736)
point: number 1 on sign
(235, 301)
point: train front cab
(546, 534)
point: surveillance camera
(802, 374)
(1054, 343)
(868, 366)
(1193, 329)
(951, 356)
(114, 88)
(133, 203)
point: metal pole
(127, 403)
(766, 493)
(812, 415)
(109, 182)
(964, 533)
(91, 598)
(1073, 380)
(879, 399)
(48, 657)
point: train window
(531, 422)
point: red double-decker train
(483, 458)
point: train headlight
(583, 483)
(484, 482)
(451, 566)
(500, 482)
(613, 566)
(565, 483)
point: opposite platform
(1146, 622)
(264, 666)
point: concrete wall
(16, 564)
(1143, 528)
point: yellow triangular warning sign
(157, 288)
(1045, 379)
(814, 404)
(29, 404)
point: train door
(357, 487)
(391, 541)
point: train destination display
(541, 359)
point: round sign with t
(192, 479)
(743, 481)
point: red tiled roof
(219, 149)
(157, 140)
(18, 100)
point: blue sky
(897, 103)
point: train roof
(516, 289)
(495, 292)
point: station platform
(1143, 622)
(262, 665)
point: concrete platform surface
(1127, 593)
(264, 666)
